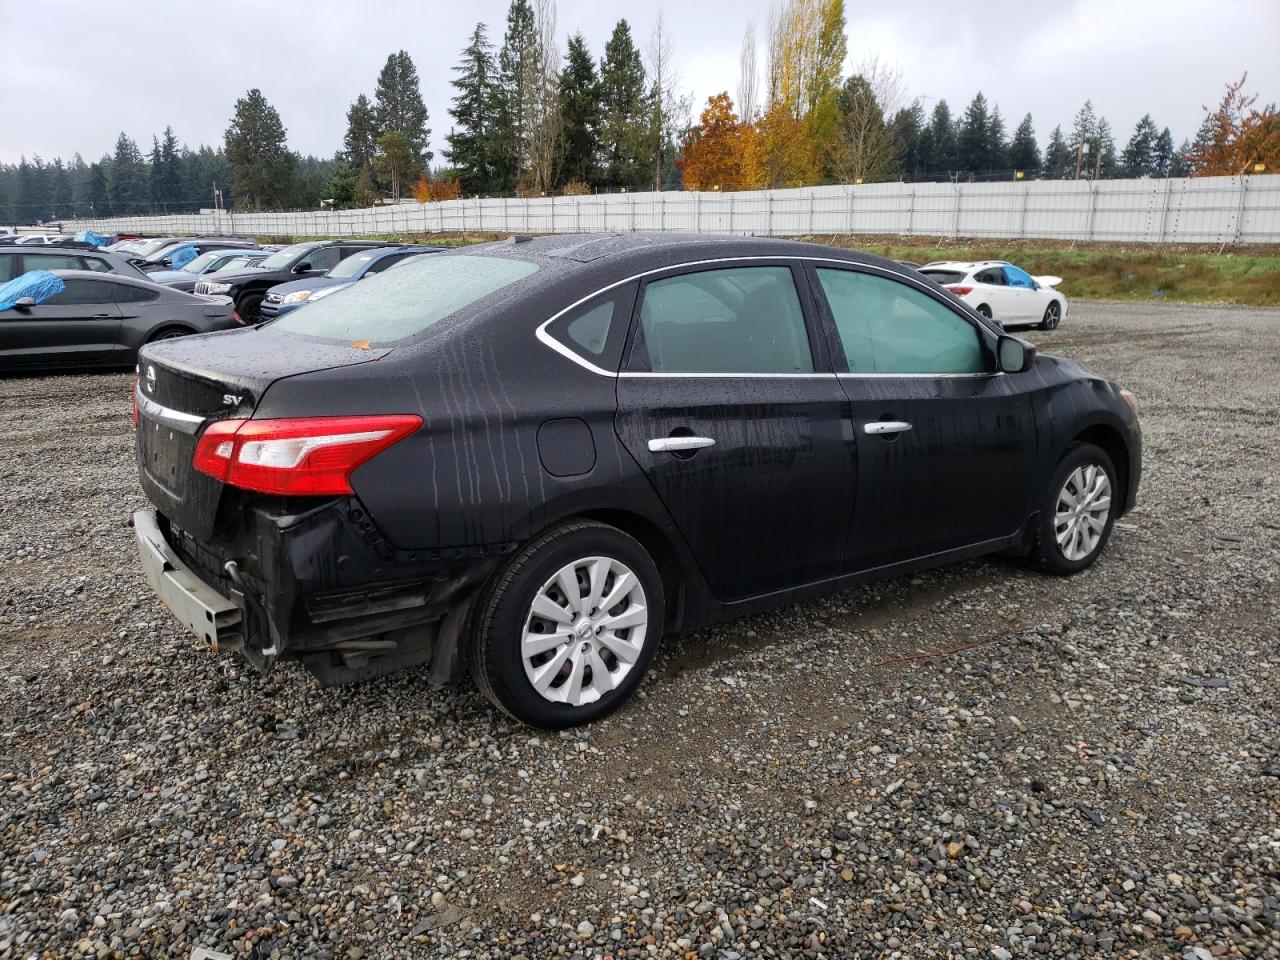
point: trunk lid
(185, 383)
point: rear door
(727, 403)
(995, 293)
(78, 326)
(946, 445)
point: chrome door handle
(676, 444)
(886, 426)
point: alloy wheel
(1084, 505)
(585, 630)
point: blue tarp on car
(179, 257)
(39, 285)
(88, 236)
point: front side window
(887, 327)
(326, 258)
(287, 255)
(78, 292)
(1018, 278)
(734, 320)
(49, 261)
(406, 301)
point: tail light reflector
(133, 394)
(235, 315)
(959, 289)
(299, 456)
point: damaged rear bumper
(260, 592)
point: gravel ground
(978, 762)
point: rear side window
(402, 302)
(736, 320)
(128, 294)
(995, 276)
(944, 276)
(93, 263)
(887, 327)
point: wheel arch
(1111, 441)
(184, 329)
(659, 546)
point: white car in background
(1003, 292)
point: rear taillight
(235, 315)
(134, 396)
(302, 457)
(959, 289)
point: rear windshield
(399, 303)
(944, 276)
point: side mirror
(25, 303)
(1015, 356)
(303, 267)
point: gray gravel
(1097, 773)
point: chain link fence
(1217, 210)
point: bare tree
(867, 101)
(748, 79)
(542, 104)
(660, 49)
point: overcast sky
(74, 73)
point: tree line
(528, 119)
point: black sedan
(535, 458)
(100, 320)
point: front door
(946, 445)
(723, 403)
(78, 326)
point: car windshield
(201, 263)
(153, 246)
(237, 263)
(399, 303)
(348, 268)
(282, 258)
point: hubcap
(1084, 503)
(585, 631)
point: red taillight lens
(235, 315)
(302, 457)
(133, 395)
(959, 289)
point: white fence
(1220, 210)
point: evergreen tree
(943, 149)
(360, 141)
(623, 111)
(1180, 163)
(1059, 158)
(261, 163)
(997, 144)
(509, 148)
(1163, 153)
(472, 112)
(398, 106)
(1106, 165)
(127, 183)
(60, 200)
(1139, 156)
(99, 193)
(342, 186)
(579, 112)
(81, 194)
(1024, 152)
(907, 133)
(974, 139)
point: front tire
(567, 630)
(1052, 316)
(1076, 511)
(250, 308)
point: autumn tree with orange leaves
(721, 150)
(1235, 137)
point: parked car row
(531, 460)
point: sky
(74, 73)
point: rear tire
(543, 648)
(1077, 511)
(1052, 316)
(984, 310)
(170, 333)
